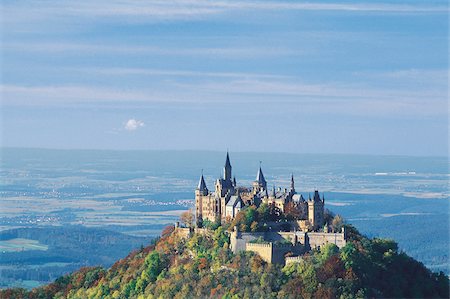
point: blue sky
(291, 76)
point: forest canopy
(203, 266)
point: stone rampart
(317, 239)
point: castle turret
(203, 190)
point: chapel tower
(316, 210)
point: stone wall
(300, 243)
(238, 240)
(317, 240)
(274, 253)
(264, 250)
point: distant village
(296, 225)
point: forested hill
(203, 266)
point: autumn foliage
(204, 267)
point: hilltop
(204, 266)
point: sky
(363, 77)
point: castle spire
(202, 185)
(227, 161)
(316, 195)
(260, 177)
(292, 182)
(227, 169)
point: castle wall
(317, 240)
(270, 252)
(238, 240)
(273, 253)
(264, 250)
(278, 252)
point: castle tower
(260, 182)
(227, 169)
(200, 193)
(316, 211)
(201, 188)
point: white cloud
(330, 97)
(133, 124)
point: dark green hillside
(203, 266)
(68, 248)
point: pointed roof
(260, 177)
(201, 184)
(227, 161)
(316, 196)
(292, 181)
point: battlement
(258, 245)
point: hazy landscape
(63, 209)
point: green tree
(250, 215)
(326, 252)
(263, 212)
(220, 237)
(348, 253)
(154, 265)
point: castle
(308, 230)
(228, 199)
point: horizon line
(219, 151)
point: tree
(348, 254)
(220, 238)
(250, 215)
(155, 263)
(167, 231)
(337, 223)
(187, 218)
(291, 211)
(263, 212)
(328, 216)
(254, 226)
(327, 251)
